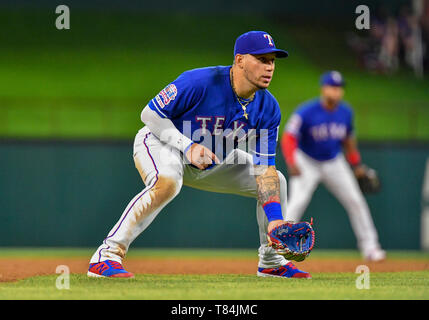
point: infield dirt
(13, 269)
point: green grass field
(324, 285)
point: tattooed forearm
(268, 184)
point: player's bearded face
(332, 94)
(259, 69)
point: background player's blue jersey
(203, 107)
(320, 132)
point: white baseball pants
(339, 179)
(163, 172)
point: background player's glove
(369, 181)
(294, 241)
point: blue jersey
(320, 132)
(203, 106)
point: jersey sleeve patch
(166, 95)
(162, 99)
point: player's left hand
(274, 224)
(294, 241)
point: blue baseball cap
(332, 78)
(257, 42)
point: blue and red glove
(294, 241)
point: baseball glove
(369, 182)
(294, 241)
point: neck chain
(243, 102)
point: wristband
(354, 158)
(273, 210)
(187, 148)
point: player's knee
(162, 190)
(166, 188)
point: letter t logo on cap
(270, 39)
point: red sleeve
(289, 144)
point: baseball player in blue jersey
(313, 142)
(214, 129)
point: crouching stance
(212, 129)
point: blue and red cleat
(108, 269)
(287, 271)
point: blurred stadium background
(70, 103)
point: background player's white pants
(339, 179)
(164, 173)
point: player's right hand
(293, 170)
(200, 156)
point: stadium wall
(70, 193)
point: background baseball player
(194, 128)
(312, 144)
